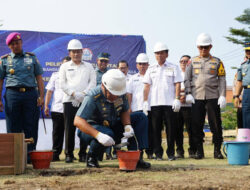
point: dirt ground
(179, 174)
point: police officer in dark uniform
(102, 63)
(205, 86)
(104, 118)
(22, 73)
(243, 81)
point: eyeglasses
(104, 61)
(204, 47)
(143, 64)
(183, 61)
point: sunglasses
(142, 63)
(204, 47)
(104, 61)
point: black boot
(191, 153)
(92, 161)
(200, 152)
(217, 152)
(141, 163)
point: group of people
(110, 106)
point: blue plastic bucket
(237, 152)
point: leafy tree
(239, 36)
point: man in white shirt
(135, 96)
(56, 111)
(123, 67)
(184, 116)
(163, 78)
(76, 78)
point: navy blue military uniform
(105, 117)
(99, 74)
(21, 110)
(244, 76)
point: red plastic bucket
(41, 159)
(128, 159)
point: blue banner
(50, 48)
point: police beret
(13, 36)
(103, 56)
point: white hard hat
(159, 46)
(74, 44)
(142, 58)
(115, 82)
(204, 40)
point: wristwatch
(236, 96)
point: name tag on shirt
(71, 69)
(27, 60)
(169, 71)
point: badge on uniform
(196, 71)
(243, 74)
(106, 123)
(169, 71)
(12, 71)
(27, 61)
(212, 71)
(221, 70)
(9, 60)
(118, 102)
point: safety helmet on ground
(204, 40)
(74, 44)
(159, 46)
(142, 58)
(115, 82)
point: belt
(21, 89)
(246, 87)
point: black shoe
(109, 157)
(179, 155)
(92, 162)
(55, 158)
(150, 156)
(200, 152)
(158, 158)
(191, 153)
(218, 155)
(82, 158)
(142, 164)
(69, 159)
(171, 158)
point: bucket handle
(136, 142)
(224, 149)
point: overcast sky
(174, 22)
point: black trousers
(149, 150)
(239, 118)
(69, 115)
(159, 115)
(184, 117)
(58, 132)
(199, 109)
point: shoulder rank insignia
(29, 53)
(97, 96)
(221, 70)
(4, 56)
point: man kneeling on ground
(104, 118)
